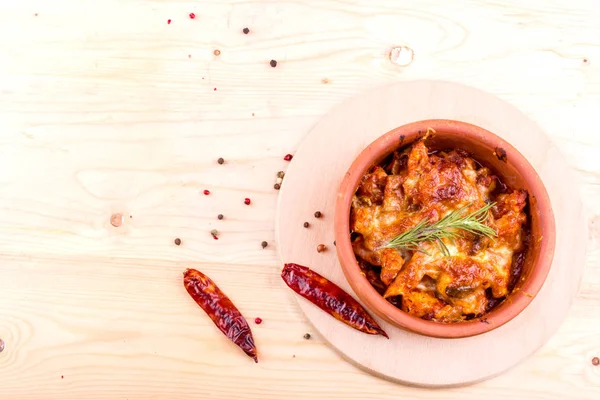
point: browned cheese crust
(417, 185)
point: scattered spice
(307, 336)
(321, 248)
(258, 321)
(1, 345)
(220, 309)
(280, 174)
(325, 81)
(62, 377)
(306, 224)
(288, 157)
(253, 114)
(318, 214)
(217, 52)
(177, 241)
(334, 243)
(246, 31)
(215, 237)
(273, 63)
(215, 89)
(169, 22)
(247, 201)
(596, 361)
(116, 220)
(585, 60)
(221, 160)
(220, 216)
(192, 15)
(264, 244)
(214, 232)
(277, 186)
(206, 192)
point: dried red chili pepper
(220, 309)
(330, 298)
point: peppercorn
(258, 321)
(217, 52)
(246, 31)
(277, 186)
(206, 192)
(247, 201)
(264, 244)
(192, 15)
(288, 157)
(273, 63)
(318, 214)
(214, 232)
(306, 224)
(596, 361)
(215, 237)
(307, 336)
(334, 243)
(221, 160)
(220, 216)
(321, 248)
(280, 174)
(177, 241)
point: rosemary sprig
(448, 227)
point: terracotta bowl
(491, 151)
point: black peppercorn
(177, 241)
(277, 186)
(220, 216)
(246, 31)
(220, 160)
(318, 214)
(306, 224)
(273, 63)
(307, 336)
(264, 244)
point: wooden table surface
(107, 108)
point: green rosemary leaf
(448, 227)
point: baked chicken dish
(439, 235)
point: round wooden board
(312, 180)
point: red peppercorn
(596, 361)
(258, 321)
(288, 157)
(215, 89)
(247, 201)
(192, 15)
(215, 237)
(206, 192)
(169, 21)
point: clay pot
(504, 160)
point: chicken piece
(370, 189)
(391, 264)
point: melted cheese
(433, 286)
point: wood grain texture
(102, 110)
(334, 144)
